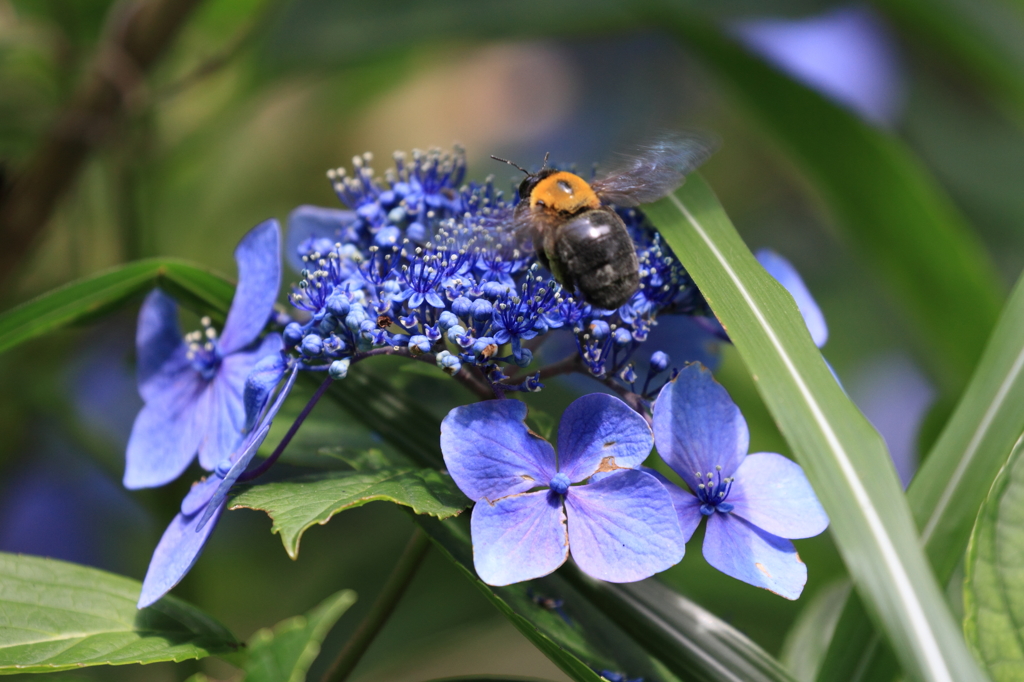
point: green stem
(398, 581)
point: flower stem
(398, 581)
(269, 461)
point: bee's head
(531, 180)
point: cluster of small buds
(426, 266)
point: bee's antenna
(546, 155)
(514, 165)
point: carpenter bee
(579, 237)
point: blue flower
(193, 388)
(754, 503)
(185, 537)
(785, 274)
(530, 508)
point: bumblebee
(575, 230)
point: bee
(575, 230)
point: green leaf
(808, 638)
(298, 504)
(883, 199)
(60, 616)
(284, 653)
(994, 580)
(950, 487)
(843, 456)
(200, 289)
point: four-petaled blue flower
(754, 503)
(193, 388)
(188, 532)
(529, 511)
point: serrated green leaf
(300, 503)
(947, 492)
(60, 616)
(994, 579)
(881, 197)
(206, 292)
(285, 652)
(843, 456)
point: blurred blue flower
(786, 275)
(530, 509)
(193, 388)
(185, 537)
(754, 503)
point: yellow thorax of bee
(564, 192)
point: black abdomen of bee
(593, 252)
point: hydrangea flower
(533, 508)
(192, 388)
(755, 504)
(423, 265)
(185, 537)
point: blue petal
(686, 504)
(434, 300)
(599, 432)
(519, 538)
(247, 450)
(220, 414)
(415, 300)
(159, 346)
(491, 454)
(199, 495)
(164, 438)
(697, 426)
(259, 278)
(754, 556)
(260, 383)
(177, 552)
(786, 275)
(314, 222)
(773, 493)
(623, 528)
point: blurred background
(248, 102)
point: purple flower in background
(193, 388)
(786, 275)
(188, 532)
(620, 524)
(754, 503)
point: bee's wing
(655, 169)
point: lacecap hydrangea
(424, 264)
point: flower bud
(312, 345)
(622, 337)
(293, 334)
(446, 320)
(339, 369)
(462, 306)
(338, 305)
(419, 344)
(659, 361)
(449, 363)
(599, 329)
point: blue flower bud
(462, 306)
(338, 305)
(339, 369)
(293, 334)
(482, 309)
(524, 358)
(599, 329)
(387, 236)
(328, 324)
(419, 344)
(391, 288)
(396, 215)
(387, 198)
(366, 328)
(416, 232)
(312, 345)
(449, 363)
(455, 331)
(447, 320)
(400, 340)
(485, 346)
(659, 361)
(495, 289)
(432, 333)
(355, 317)
(533, 384)
(622, 337)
